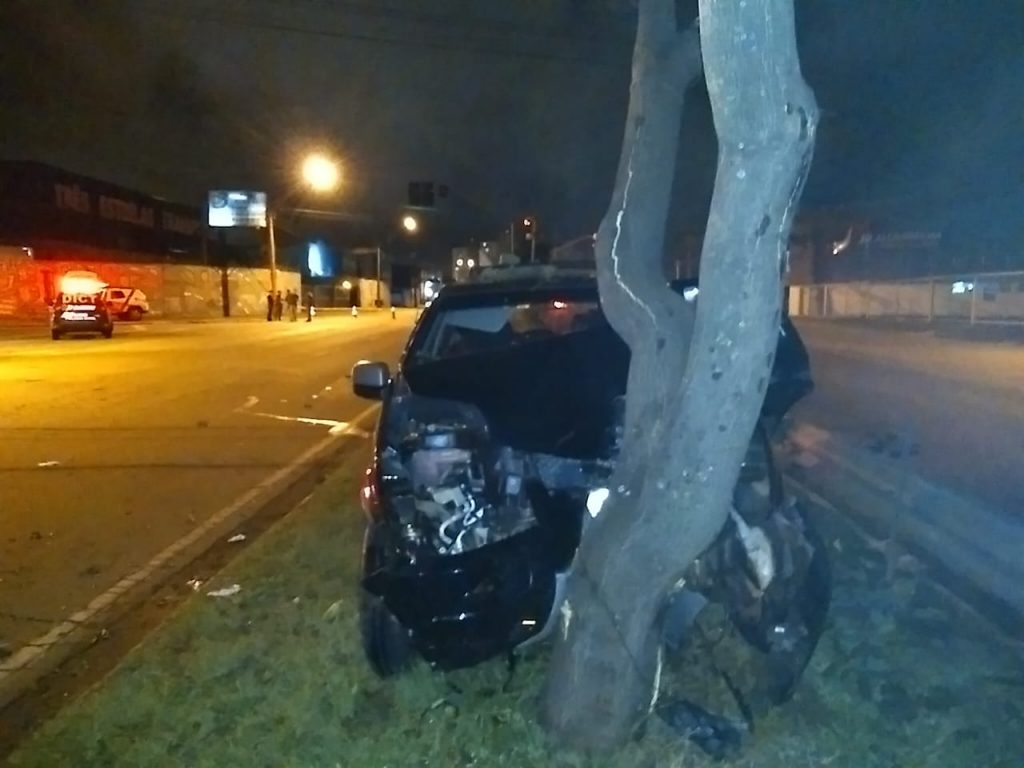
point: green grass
(275, 677)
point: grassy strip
(274, 676)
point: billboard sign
(232, 208)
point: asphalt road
(951, 411)
(111, 450)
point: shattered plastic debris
(195, 584)
(716, 735)
(236, 538)
(47, 464)
(234, 589)
(333, 610)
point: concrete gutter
(977, 551)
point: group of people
(276, 304)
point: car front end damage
(471, 539)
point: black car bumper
(81, 326)
(463, 609)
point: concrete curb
(41, 656)
(979, 551)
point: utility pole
(379, 302)
(512, 238)
(533, 241)
(272, 248)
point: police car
(79, 308)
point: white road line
(336, 427)
(33, 650)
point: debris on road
(236, 538)
(234, 589)
(48, 464)
(195, 584)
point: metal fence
(995, 298)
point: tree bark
(696, 382)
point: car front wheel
(386, 643)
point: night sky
(518, 107)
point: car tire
(133, 314)
(386, 643)
(55, 335)
(108, 333)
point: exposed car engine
(455, 491)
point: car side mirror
(369, 380)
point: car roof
(518, 281)
(498, 282)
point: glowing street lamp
(410, 224)
(320, 172)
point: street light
(410, 224)
(320, 172)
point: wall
(980, 298)
(367, 292)
(173, 290)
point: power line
(447, 21)
(488, 51)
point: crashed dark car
(497, 437)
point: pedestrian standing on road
(278, 306)
(293, 305)
(309, 307)
(270, 306)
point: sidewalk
(274, 676)
(940, 328)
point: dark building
(51, 210)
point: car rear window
(474, 330)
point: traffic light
(421, 194)
(424, 194)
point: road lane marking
(35, 649)
(336, 427)
(250, 401)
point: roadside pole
(379, 303)
(272, 249)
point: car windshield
(465, 331)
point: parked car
(126, 303)
(498, 434)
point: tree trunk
(696, 383)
